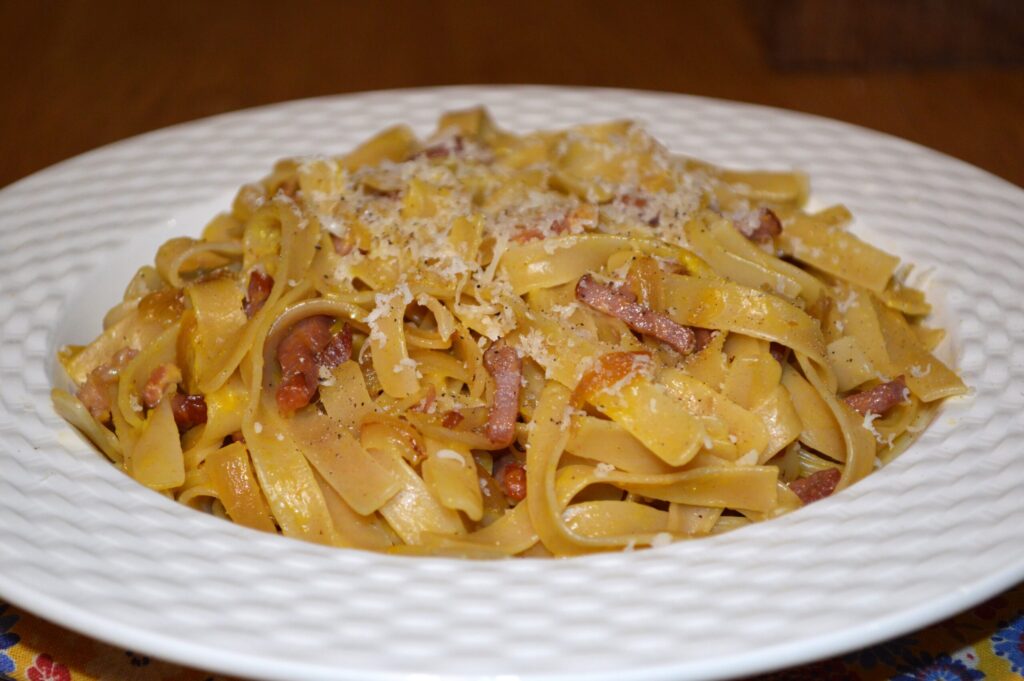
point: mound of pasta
(487, 344)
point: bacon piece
(768, 227)
(779, 351)
(504, 365)
(97, 391)
(816, 485)
(879, 399)
(560, 225)
(702, 337)
(297, 354)
(639, 318)
(452, 419)
(525, 234)
(163, 377)
(260, 285)
(189, 410)
(442, 149)
(633, 200)
(641, 202)
(307, 347)
(95, 395)
(510, 473)
(338, 349)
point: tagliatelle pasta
(492, 345)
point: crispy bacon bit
(95, 395)
(342, 246)
(308, 347)
(443, 149)
(510, 473)
(816, 485)
(338, 350)
(260, 285)
(768, 227)
(297, 354)
(97, 391)
(189, 410)
(452, 419)
(560, 225)
(637, 201)
(702, 337)
(161, 382)
(639, 318)
(879, 399)
(525, 234)
(504, 365)
(779, 351)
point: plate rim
(178, 651)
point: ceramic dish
(83, 545)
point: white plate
(85, 546)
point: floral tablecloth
(986, 642)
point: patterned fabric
(986, 642)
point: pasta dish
(488, 345)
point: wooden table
(81, 74)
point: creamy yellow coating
(433, 251)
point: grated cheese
(661, 539)
(326, 376)
(748, 459)
(918, 372)
(450, 454)
(844, 305)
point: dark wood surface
(80, 74)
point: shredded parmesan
(326, 376)
(661, 539)
(844, 305)
(450, 454)
(917, 372)
(748, 459)
(869, 424)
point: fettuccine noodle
(493, 345)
